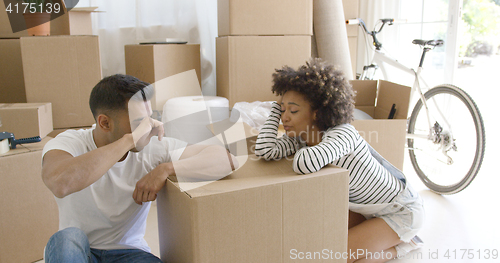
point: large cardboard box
(265, 17)
(62, 70)
(263, 212)
(153, 63)
(245, 64)
(26, 120)
(75, 22)
(11, 72)
(29, 213)
(386, 136)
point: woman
(316, 107)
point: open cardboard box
(386, 136)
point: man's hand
(147, 128)
(149, 185)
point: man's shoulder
(75, 142)
(72, 134)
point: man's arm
(64, 174)
(200, 162)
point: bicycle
(438, 137)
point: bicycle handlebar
(373, 33)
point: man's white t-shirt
(105, 210)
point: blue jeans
(71, 245)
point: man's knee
(68, 239)
(65, 244)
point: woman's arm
(268, 146)
(336, 144)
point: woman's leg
(372, 241)
(355, 219)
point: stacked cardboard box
(60, 69)
(29, 211)
(153, 63)
(77, 21)
(45, 83)
(255, 38)
(26, 120)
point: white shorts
(405, 214)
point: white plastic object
(4, 146)
(354, 21)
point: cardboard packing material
(388, 137)
(265, 17)
(29, 212)
(75, 22)
(62, 70)
(11, 72)
(154, 63)
(245, 64)
(262, 212)
(26, 120)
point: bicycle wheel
(451, 155)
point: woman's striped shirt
(369, 181)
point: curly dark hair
(325, 88)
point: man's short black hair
(113, 93)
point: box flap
(390, 93)
(366, 92)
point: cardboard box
(260, 213)
(388, 137)
(62, 70)
(26, 120)
(154, 63)
(29, 211)
(265, 17)
(75, 22)
(78, 21)
(245, 64)
(11, 72)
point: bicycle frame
(426, 104)
(379, 58)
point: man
(105, 177)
